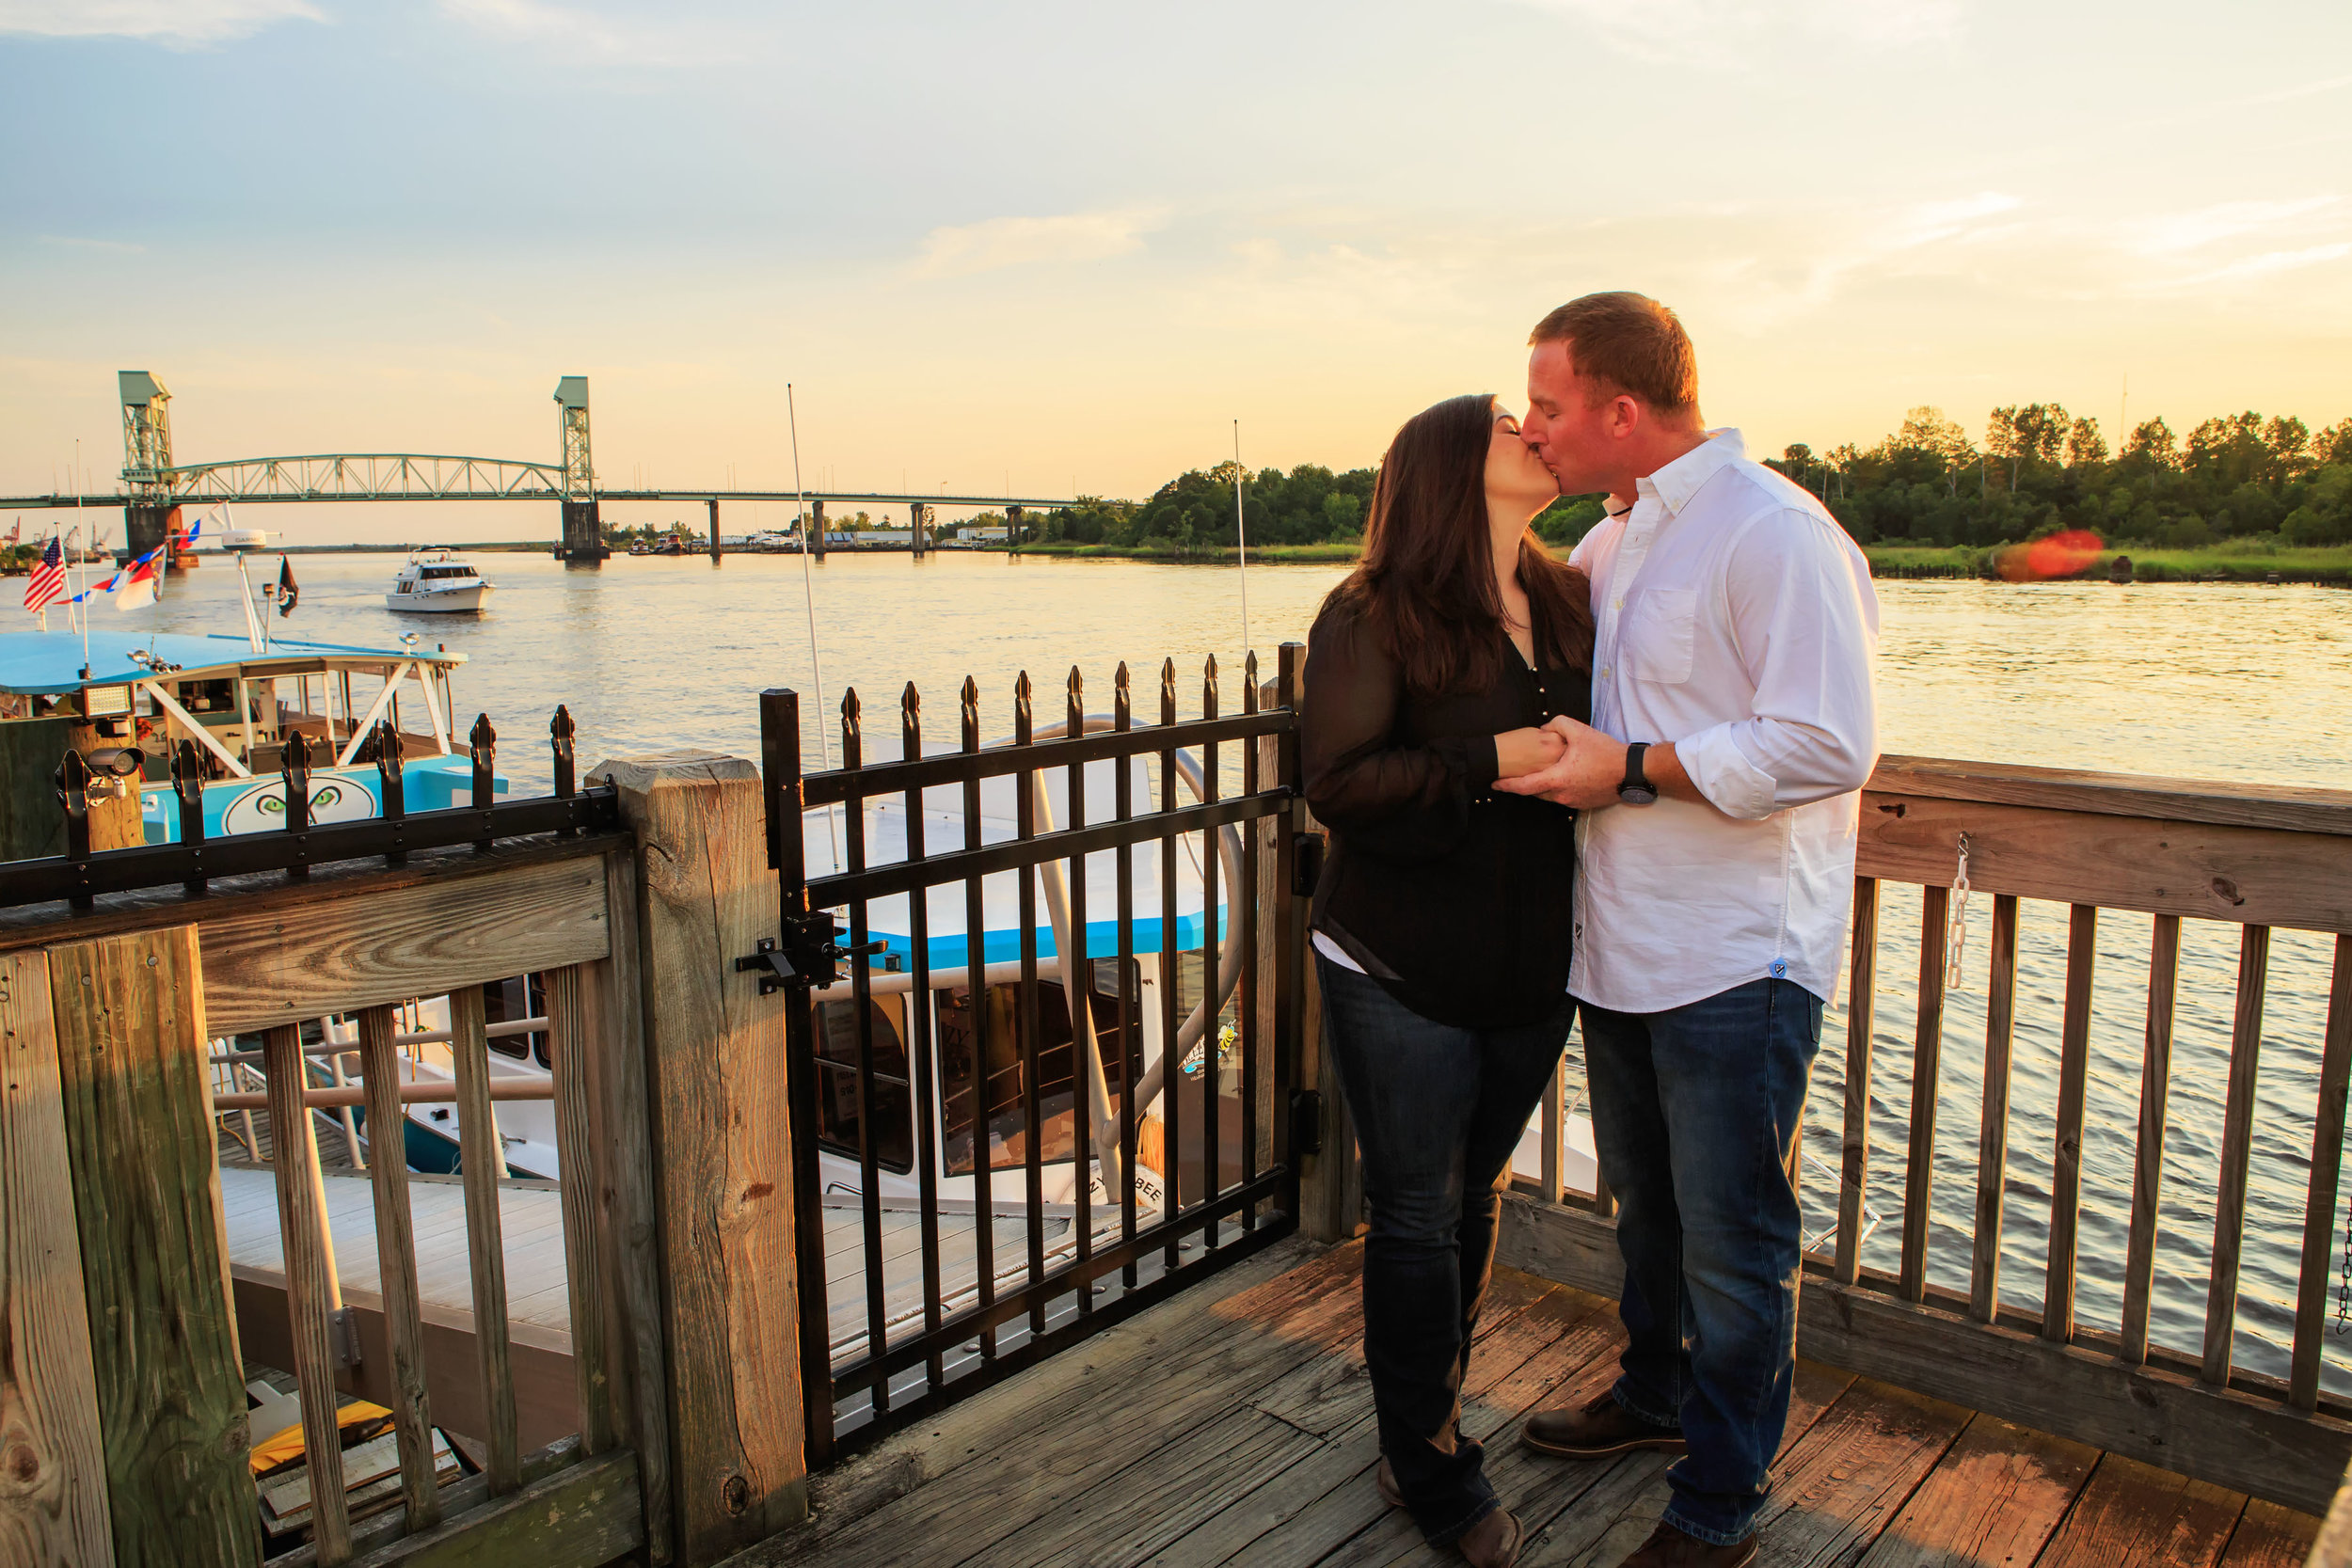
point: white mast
(1241, 534)
(808, 596)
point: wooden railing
(2248, 856)
(123, 1405)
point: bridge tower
(583, 531)
(148, 517)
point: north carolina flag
(139, 583)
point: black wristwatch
(1636, 790)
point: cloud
(77, 242)
(960, 250)
(2170, 234)
(179, 24)
(2268, 265)
(1724, 33)
(577, 33)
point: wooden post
(482, 1159)
(396, 1266)
(129, 1014)
(53, 1503)
(721, 1148)
(1861, 1009)
(313, 1296)
(617, 1000)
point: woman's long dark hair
(1425, 584)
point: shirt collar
(1678, 481)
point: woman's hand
(1520, 751)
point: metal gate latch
(809, 954)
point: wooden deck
(1235, 1425)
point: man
(1733, 725)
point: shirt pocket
(1659, 634)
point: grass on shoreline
(1205, 555)
(2330, 564)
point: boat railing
(2225, 1122)
(80, 874)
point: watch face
(1637, 795)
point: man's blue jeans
(1438, 1110)
(1696, 1113)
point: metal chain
(1956, 933)
(2344, 1280)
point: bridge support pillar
(714, 528)
(815, 542)
(919, 528)
(1012, 526)
(145, 527)
(583, 533)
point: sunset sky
(1063, 246)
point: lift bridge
(155, 489)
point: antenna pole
(1241, 535)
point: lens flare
(2059, 554)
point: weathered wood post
(53, 1506)
(130, 1037)
(721, 1133)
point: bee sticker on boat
(263, 808)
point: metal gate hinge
(1306, 863)
(1306, 1122)
(343, 1330)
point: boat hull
(454, 601)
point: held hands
(1526, 751)
(1584, 772)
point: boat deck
(1235, 1425)
(530, 1218)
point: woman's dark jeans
(1438, 1110)
(1696, 1112)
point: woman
(1442, 924)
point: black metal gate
(1000, 1134)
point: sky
(1063, 246)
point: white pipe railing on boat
(425, 1037)
(410, 1094)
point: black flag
(287, 591)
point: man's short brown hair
(1628, 343)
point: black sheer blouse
(1455, 898)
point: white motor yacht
(437, 582)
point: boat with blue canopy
(237, 703)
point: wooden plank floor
(1235, 1425)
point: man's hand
(1591, 767)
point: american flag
(46, 586)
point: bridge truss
(364, 476)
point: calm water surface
(2201, 681)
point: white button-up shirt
(1735, 619)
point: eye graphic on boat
(262, 807)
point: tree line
(2264, 480)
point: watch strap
(1633, 779)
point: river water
(2214, 681)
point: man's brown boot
(1385, 1479)
(1494, 1541)
(1603, 1427)
(1668, 1548)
